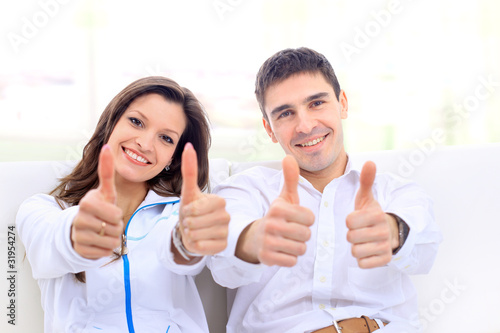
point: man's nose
(305, 122)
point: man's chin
(313, 167)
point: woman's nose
(145, 141)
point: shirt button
(322, 279)
(326, 244)
(325, 203)
(322, 306)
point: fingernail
(188, 145)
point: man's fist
(372, 233)
(281, 235)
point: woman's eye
(167, 139)
(135, 121)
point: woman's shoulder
(44, 200)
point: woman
(113, 247)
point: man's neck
(320, 179)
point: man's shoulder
(393, 179)
(255, 176)
(257, 171)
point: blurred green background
(415, 72)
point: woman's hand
(203, 219)
(98, 226)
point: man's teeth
(313, 142)
(136, 157)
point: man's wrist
(242, 250)
(402, 232)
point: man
(320, 247)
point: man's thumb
(291, 180)
(189, 170)
(106, 173)
(366, 179)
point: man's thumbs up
(365, 194)
(280, 237)
(371, 231)
(291, 180)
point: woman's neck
(128, 197)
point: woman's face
(144, 139)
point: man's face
(305, 117)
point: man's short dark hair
(288, 62)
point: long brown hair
(83, 178)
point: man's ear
(269, 130)
(343, 105)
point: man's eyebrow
(280, 108)
(316, 96)
(308, 99)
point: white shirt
(326, 283)
(163, 295)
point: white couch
(461, 293)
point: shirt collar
(153, 198)
(348, 167)
(304, 182)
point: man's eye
(284, 114)
(317, 103)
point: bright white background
(417, 73)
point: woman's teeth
(136, 157)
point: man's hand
(98, 226)
(203, 218)
(372, 233)
(281, 235)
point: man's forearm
(244, 249)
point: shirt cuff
(227, 269)
(232, 272)
(236, 227)
(402, 259)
